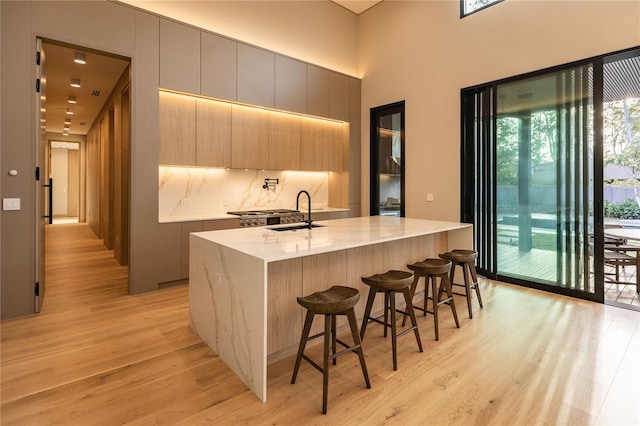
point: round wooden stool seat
(431, 267)
(390, 280)
(331, 301)
(460, 256)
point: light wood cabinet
(332, 139)
(255, 74)
(355, 162)
(250, 137)
(284, 315)
(213, 133)
(318, 91)
(311, 145)
(339, 97)
(291, 85)
(284, 142)
(218, 66)
(177, 129)
(179, 57)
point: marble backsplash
(200, 191)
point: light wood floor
(98, 356)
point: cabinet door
(311, 144)
(332, 137)
(284, 142)
(177, 129)
(339, 97)
(318, 87)
(249, 137)
(218, 66)
(256, 73)
(179, 57)
(213, 133)
(291, 85)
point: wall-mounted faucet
(270, 183)
(308, 221)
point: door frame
(374, 160)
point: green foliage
(628, 209)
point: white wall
(60, 175)
(422, 52)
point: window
(468, 7)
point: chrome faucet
(308, 221)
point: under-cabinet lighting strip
(227, 101)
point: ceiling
(97, 79)
(357, 6)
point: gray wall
(104, 26)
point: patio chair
(620, 256)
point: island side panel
(460, 238)
(375, 259)
(320, 272)
(227, 308)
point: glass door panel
(544, 146)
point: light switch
(429, 197)
(11, 204)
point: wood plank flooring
(97, 356)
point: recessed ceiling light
(72, 100)
(75, 82)
(69, 112)
(65, 133)
(80, 58)
(67, 121)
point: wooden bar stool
(466, 259)
(431, 269)
(337, 300)
(390, 283)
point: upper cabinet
(250, 137)
(318, 91)
(218, 66)
(339, 97)
(256, 76)
(179, 57)
(291, 85)
(177, 129)
(284, 142)
(213, 133)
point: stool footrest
(403, 332)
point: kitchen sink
(296, 227)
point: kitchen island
(243, 283)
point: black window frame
(462, 6)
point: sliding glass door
(528, 178)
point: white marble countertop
(218, 216)
(338, 234)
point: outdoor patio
(541, 264)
